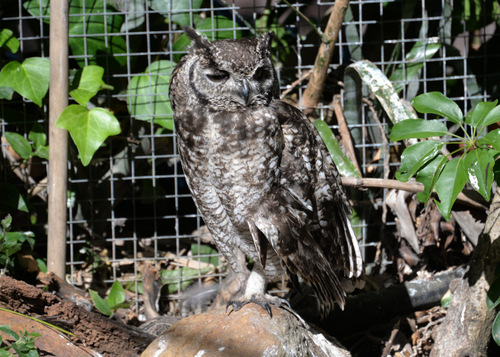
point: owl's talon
(265, 302)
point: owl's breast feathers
(270, 173)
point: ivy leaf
(88, 81)
(38, 136)
(88, 128)
(437, 103)
(427, 176)
(180, 10)
(479, 164)
(209, 27)
(492, 138)
(415, 156)
(86, 31)
(477, 116)
(148, 94)
(417, 128)
(344, 165)
(8, 40)
(30, 78)
(449, 184)
(20, 145)
(99, 303)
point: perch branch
(410, 186)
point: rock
(248, 332)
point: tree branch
(312, 94)
(410, 186)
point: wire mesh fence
(131, 206)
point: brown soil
(92, 330)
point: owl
(260, 174)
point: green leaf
(86, 33)
(495, 329)
(437, 103)
(30, 79)
(477, 116)
(492, 117)
(344, 165)
(180, 10)
(148, 94)
(446, 299)
(6, 93)
(216, 28)
(99, 303)
(88, 128)
(37, 136)
(116, 295)
(383, 89)
(87, 83)
(11, 198)
(492, 139)
(493, 294)
(449, 184)
(20, 144)
(209, 27)
(427, 175)
(417, 128)
(8, 40)
(206, 254)
(479, 164)
(415, 156)
(8, 330)
(41, 265)
(180, 279)
(413, 63)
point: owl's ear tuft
(265, 41)
(199, 41)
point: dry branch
(314, 90)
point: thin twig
(306, 19)
(386, 149)
(294, 84)
(344, 131)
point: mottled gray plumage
(259, 172)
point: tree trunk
(466, 330)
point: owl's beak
(245, 91)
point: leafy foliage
(86, 32)
(11, 243)
(23, 147)
(446, 174)
(114, 301)
(148, 94)
(30, 78)
(24, 344)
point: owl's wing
(326, 252)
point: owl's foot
(264, 301)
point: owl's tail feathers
(355, 269)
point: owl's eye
(259, 73)
(218, 76)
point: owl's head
(231, 74)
